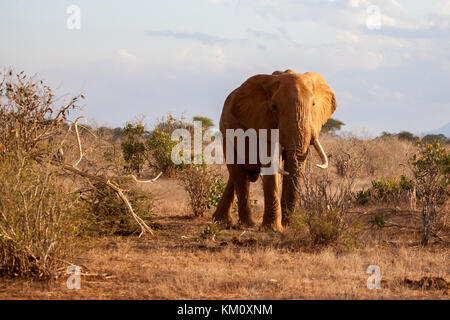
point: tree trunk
(428, 214)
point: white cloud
(200, 57)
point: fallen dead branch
(108, 181)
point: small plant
(406, 184)
(431, 170)
(217, 187)
(211, 231)
(378, 221)
(362, 197)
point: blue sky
(152, 57)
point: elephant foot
(274, 226)
(247, 221)
(222, 218)
(286, 221)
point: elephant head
(296, 104)
(301, 103)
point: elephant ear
(252, 102)
(324, 100)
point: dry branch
(108, 181)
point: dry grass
(178, 264)
(143, 270)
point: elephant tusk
(321, 153)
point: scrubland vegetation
(73, 193)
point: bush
(203, 186)
(134, 148)
(386, 190)
(326, 227)
(431, 169)
(29, 121)
(45, 200)
(160, 146)
(324, 209)
(378, 221)
(143, 149)
(39, 218)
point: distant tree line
(408, 136)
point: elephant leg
(223, 211)
(272, 207)
(241, 182)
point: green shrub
(134, 148)
(216, 189)
(160, 146)
(408, 136)
(142, 149)
(385, 189)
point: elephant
(296, 104)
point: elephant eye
(274, 107)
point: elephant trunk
(294, 164)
